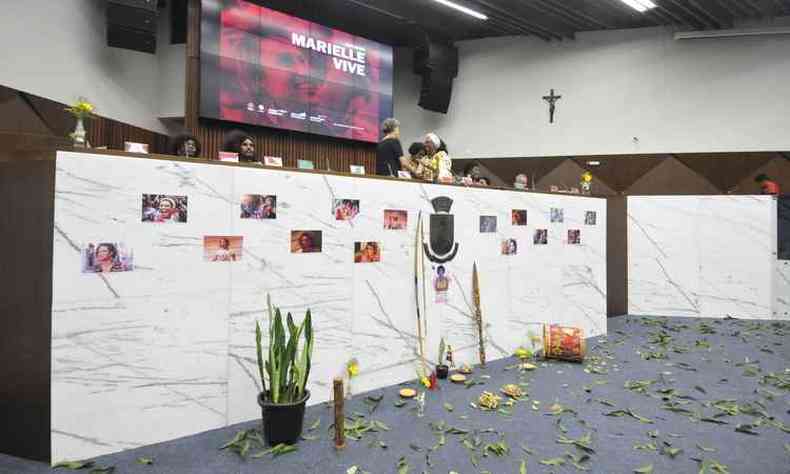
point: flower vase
(78, 135)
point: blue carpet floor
(660, 395)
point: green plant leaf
(145, 461)
(102, 470)
(644, 469)
(746, 428)
(522, 469)
(553, 462)
(315, 425)
(706, 449)
(74, 465)
(448, 407)
(352, 470)
(403, 466)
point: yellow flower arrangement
(587, 177)
(82, 108)
(426, 381)
(352, 368)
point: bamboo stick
(340, 434)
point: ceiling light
(594, 163)
(468, 11)
(640, 5)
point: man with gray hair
(389, 150)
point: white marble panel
(736, 238)
(781, 300)
(168, 349)
(663, 259)
(147, 346)
(706, 256)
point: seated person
(483, 181)
(242, 143)
(520, 181)
(767, 185)
(185, 144)
(416, 162)
(471, 173)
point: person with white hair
(440, 162)
(389, 150)
(521, 181)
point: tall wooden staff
(478, 313)
(417, 247)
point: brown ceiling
(393, 21)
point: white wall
(57, 49)
(675, 96)
(704, 256)
(169, 348)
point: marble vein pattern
(704, 256)
(168, 349)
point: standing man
(389, 150)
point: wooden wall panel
(325, 152)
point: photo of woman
(509, 247)
(519, 217)
(305, 241)
(222, 248)
(257, 206)
(574, 236)
(106, 257)
(345, 209)
(367, 252)
(163, 208)
(541, 237)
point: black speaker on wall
(437, 63)
(131, 24)
(436, 91)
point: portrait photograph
(557, 214)
(258, 206)
(163, 208)
(487, 224)
(441, 284)
(519, 216)
(106, 257)
(345, 209)
(574, 236)
(367, 252)
(222, 248)
(305, 241)
(541, 237)
(589, 218)
(509, 247)
(395, 219)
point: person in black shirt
(242, 143)
(389, 151)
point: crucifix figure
(551, 99)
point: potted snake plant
(284, 373)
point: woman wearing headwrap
(440, 162)
(241, 143)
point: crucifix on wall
(551, 99)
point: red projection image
(263, 67)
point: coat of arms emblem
(442, 241)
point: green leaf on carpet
(403, 466)
(644, 469)
(448, 407)
(553, 462)
(522, 469)
(102, 470)
(73, 465)
(145, 461)
(315, 425)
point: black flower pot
(282, 422)
(442, 371)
